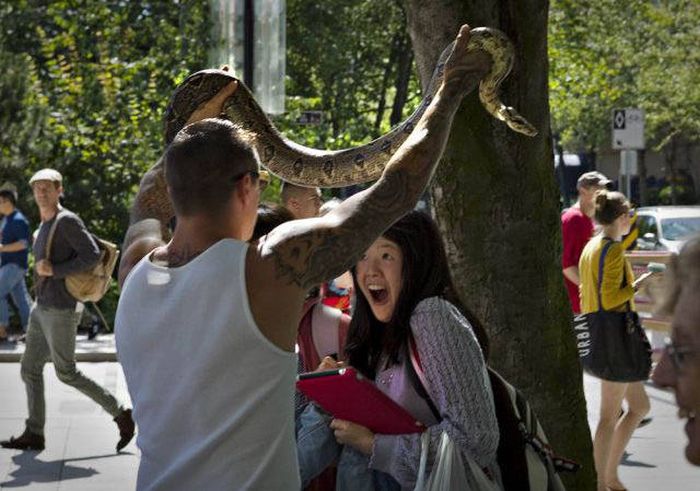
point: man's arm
(308, 252)
(17, 246)
(571, 273)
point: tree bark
(496, 202)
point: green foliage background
(84, 83)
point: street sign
(310, 117)
(628, 129)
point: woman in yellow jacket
(612, 212)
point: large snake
(311, 167)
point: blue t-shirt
(15, 227)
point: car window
(646, 225)
(681, 228)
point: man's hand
(44, 268)
(464, 69)
(357, 436)
(214, 106)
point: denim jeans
(51, 336)
(12, 282)
(317, 448)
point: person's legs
(316, 445)
(35, 356)
(354, 473)
(638, 407)
(6, 283)
(60, 329)
(611, 395)
(4, 317)
(22, 300)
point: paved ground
(81, 438)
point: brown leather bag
(90, 285)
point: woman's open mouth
(379, 294)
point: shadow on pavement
(33, 470)
(634, 463)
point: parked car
(666, 228)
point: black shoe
(26, 441)
(644, 422)
(126, 428)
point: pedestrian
(206, 324)
(576, 230)
(300, 201)
(54, 318)
(617, 289)
(14, 251)
(679, 367)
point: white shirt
(213, 397)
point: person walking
(14, 251)
(616, 289)
(576, 231)
(54, 319)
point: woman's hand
(357, 436)
(329, 363)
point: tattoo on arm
(316, 250)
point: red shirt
(576, 231)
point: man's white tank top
(213, 397)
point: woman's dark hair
(269, 217)
(609, 205)
(425, 274)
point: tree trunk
(403, 76)
(388, 69)
(496, 202)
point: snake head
(516, 122)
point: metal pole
(248, 42)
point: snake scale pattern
(311, 167)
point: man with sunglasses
(206, 323)
(300, 201)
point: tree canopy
(605, 54)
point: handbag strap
(601, 262)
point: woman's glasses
(679, 355)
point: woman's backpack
(526, 460)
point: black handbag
(612, 345)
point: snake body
(311, 167)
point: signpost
(628, 136)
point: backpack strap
(529, 428)
(416, 376)
(52, 232)
(325, 322)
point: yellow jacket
(613, 295)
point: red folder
(347, 395)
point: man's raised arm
(307, 252)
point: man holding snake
(206, 323)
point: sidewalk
(102, 348)
(655, 457)
(80, 437)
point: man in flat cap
(63, 246)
